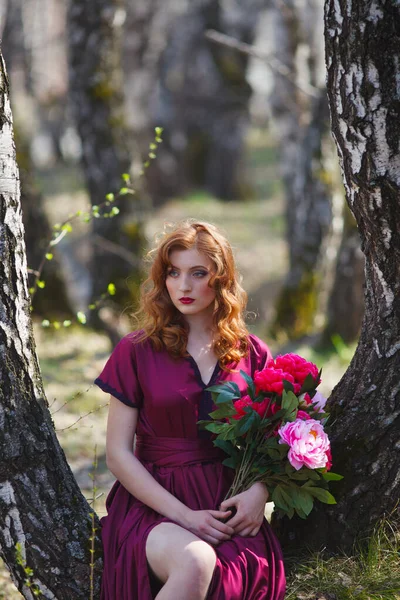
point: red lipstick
(185, 300)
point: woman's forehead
(182, 257)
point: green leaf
(216, 427)
(226, 410)
(250, 384)
(216, 388)
(111, 289)
(49, 256)
(226, 446)
(302, 499)
(309, 384)
(229, 433)
(311, 474)
(67, 323)
(67, 227)
(250, 421)
(234, 388)
(300, 475)
(332, 476)
(301, 513)
(110, 197)
(230, 462)
(125, 176)
(321, 495)
(114, 211)
(290, 403)
(41, 284)
(81, 317)
(281, 498)
(123, 191)
(288, 386)
(225, 396)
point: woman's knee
(172, 550)
(199, 558)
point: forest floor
(70, 359)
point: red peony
(271, 380)
(240, 406)
(329, 457)
(302, 414)
(261, 407)
(297, 366)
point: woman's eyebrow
(191, 268)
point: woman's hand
(250, 506)
(207, 526)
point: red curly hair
(160, 320)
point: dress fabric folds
(171, 398)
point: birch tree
(96, 89)
(363, 62)
(45, 522)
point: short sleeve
(119, 376)
(260, 353)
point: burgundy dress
(171, 398)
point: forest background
(239, 92)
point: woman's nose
(184, 284)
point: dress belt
(175, 452)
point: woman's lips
(186, 300)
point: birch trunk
(96, 88)
(363, 60)
(41, 507)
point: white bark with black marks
(41, 506)
(363, 59)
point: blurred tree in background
(96, 90)
(197, 91)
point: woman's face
(187, 281)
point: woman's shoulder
(133, 341)
(258, 348)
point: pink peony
(319, 401)
(271, 380)
(297, 366)
(240, 406)
(309, 444)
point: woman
(168, 533)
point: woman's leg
(181, 560)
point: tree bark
(41, 506)
(96, 85)
(345, 308)
(362, 53)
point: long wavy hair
(161, 321)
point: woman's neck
(200, 326)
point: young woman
(168, 533)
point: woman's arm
(121, 427)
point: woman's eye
(200, 273)
(172, 273)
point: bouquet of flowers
(275, 434)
